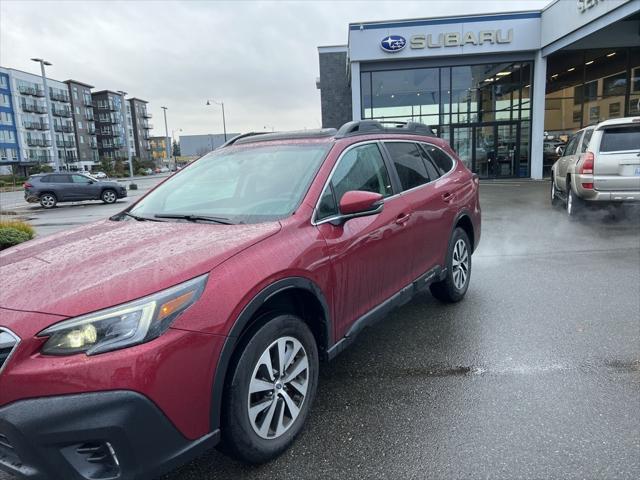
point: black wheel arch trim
(241, 323)
(464, 213)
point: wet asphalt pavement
(535, 374)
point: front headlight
(125, 325)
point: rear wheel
(574, 203)
(554, 192)
(109, 196)
(270, 391)
(48, 200)
(455, 284)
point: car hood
(108, 263)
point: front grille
(8, 343)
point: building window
(79, 125)
(77, 110)
(7, 136)
(75, 93)
(6, 118)
(4, 100)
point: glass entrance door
(491, 149)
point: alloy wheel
(109, 197)
(47, 201)
(460, 264)
(278, 387)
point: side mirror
(559, 150)
(358, 203)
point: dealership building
(504, 89)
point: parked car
(599, 166)
(225, 287)
(148, 171)
(51, 188)
(100, 175)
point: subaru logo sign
(393, 43)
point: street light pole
(54, 143)
(224, 122)
(126, 132)
(166, 134)
(173, 157)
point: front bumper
(115, 435)
(122, 193)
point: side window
(327, 206)
(60, 179)
(79, 179)
(361, 168)
(585, 140)
(441, 160)
(46, 179)
(572, 145)
(409, 165)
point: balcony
(147, 146)
(147, 126)
(108, 132)
(40, 158)
(68, 128)
(93, 143)
(70, 157)
(91, 128)
(66, 144)
(111, 144)
(146, 115)
(35, 125)
(88, 115)
(36, 91)
(87, 101)
(33, 107)
(38, 142)
(106, 105)
(59, 95)
(106, 118)
(61, 112)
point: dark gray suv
(51, 188)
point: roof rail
(239, 137)
(366, 127)
(273, 136)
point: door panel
(370, 256)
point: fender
(465, 213)
(243, 320)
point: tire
(48, 200)
(574, 203)
(247, 434)
(454, 286)
(109, 196)
(554, 193)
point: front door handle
(447, 196)
(403, 218)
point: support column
(355, 91)
(537, 115)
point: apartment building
(37, 139)
(9, 147)
(141, 127)
(159, 152)
(84, 127)
(109, 124)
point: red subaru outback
(200, 313)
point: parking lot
(536, 374)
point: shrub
(18, 225)
(11, 236)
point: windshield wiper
(139, 218)
(195, 218)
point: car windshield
(239, 185)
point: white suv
(600, 165)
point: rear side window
(572, 145)
(409, 165)
(45, 179)
(586, 139)
(441, 160)
(620, 139)
(59, 179)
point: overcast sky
(259, 57)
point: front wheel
(109, 196)
(456, 282)
(270, 392)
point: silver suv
(600, 165)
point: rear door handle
(403, 218)
(447, 196)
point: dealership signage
(584, 5)
(395, 43)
